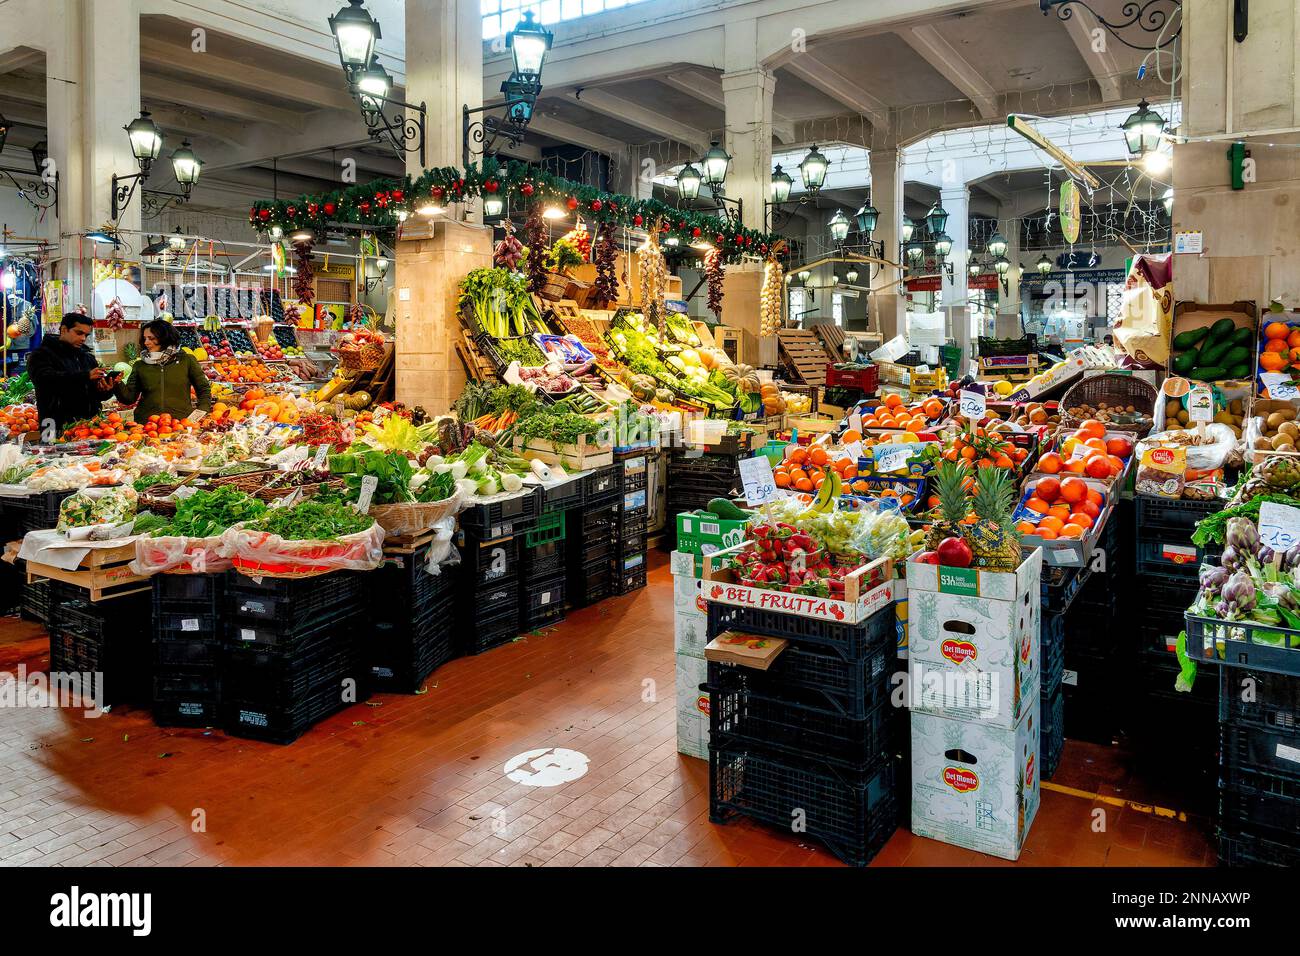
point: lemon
(1003, 388)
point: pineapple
(993, 538)
(948, 485)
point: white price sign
(973, 404)
(370, 482)
(1200, 405)
(321, 453)
(1279, 526)
(854, 451)
(196, 416)
(891, 457)
(756, 474)
(855, 422)
(1280, 386)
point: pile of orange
(20, 419)
(895, 413)
(108, 427)
(1105, 461)
(1068, 506)
(985, 450)
(249, 371)
(804, 469)
(1281, 347)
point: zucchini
(1213, 353)
(1185, 340)
(726, 509)
(1237, 355)
(1241, 370)
(1207, 373)
(1243, 336)
(1186, 362)
(1220, 330)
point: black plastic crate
(292, 604)
(34, 602)
(601, 485)
(547, 616)
(1260, 699)
(1092, 685)
(494, 595)
(264, 675)
(596, 523)
(183, 654)
(796, 720)
(187, 685)
(403, 589)
(187, 713)
(631, 545)
(184, 622)
(564, 496)
(291, 638)
(37, 512)
(543, 560)
(691, 463)
(1243, 644)
(12, 581)
(853, 642)
(543, 595)
(1238, 848)
(114, 667)
(850, 688)
(1171, 514)
(1166, 554)
(579, 553)
(1260, 803)
(1059, 585)
(402, 656)
(278, 723)
(625, 582)
(201, 592)
(1051, 733)
(1255, 749)
(485, 633)
(506, 516)
(852, 813)
(588, 583)
(1052, 652)
(489, 560)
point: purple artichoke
(1242, 534)
(1240, 590)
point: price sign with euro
(1279, 526)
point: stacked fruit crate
(589, 538)
(188, 649)
(491, 541)
(629, 563)
(412, 619)
(542, 564)
(695, 478)
(812, 739)
(1259, 768)
(104, 643)
(296, 652)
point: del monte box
(973, 640)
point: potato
(1275, 421)
(1289, 428)
(1263, 444)
(1235, 406)
(1277, 441)
(1173, 407)
(1183, 417)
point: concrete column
(954, 299)
(748, 98)
(110, 99)
(63, 117)
(444, 70)
(889, 304)
(1008, 319)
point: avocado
(1236, 355)
(1185, 340)
(727, 510)
(1243, 336)
(1207, 373)
(1213, 353)
(1186, 362)
(1241, 370)
(1221, 330)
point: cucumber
(1221, 330)
(1207, 373)
(727, 510)
(1185, 340)
(1186, 362)
(1243, 336)
(1241, 370)
(1237, 355)
(1213, 353)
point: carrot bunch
(496, 423)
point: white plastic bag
(262, 554)
(179, 555)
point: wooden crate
(477, 365)
(832, 338)
(802, 353)
(105, 573)
(579, 457)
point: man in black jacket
(69, 383)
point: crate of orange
(20, 419)
(805, 468)
(894, 414)
(1090, 451)
(1064, 515)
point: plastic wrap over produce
(263, 554)
(179, 555)
(441, 552)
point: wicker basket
(556, 286)
(1112, 390)
(361, 358)
(308, 491)
(410, 518)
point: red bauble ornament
(313, 208)
(571, 202)
(381, 198)
(264, 214)
(437, 193)
(596, 205)
(331, 208)
(491, 186)
(291, 211)
(637, 219)
(526, 189)
(682, 224)
(719, 240)
(364, 205)
(398, 195)
(695, 233)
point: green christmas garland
(377, 204)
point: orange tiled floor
(418, 779)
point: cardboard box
(747, 650)
(707, 535)
(973, 640)
(685, 564)
(692, 707)
(975, 785)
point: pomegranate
(954, 553)
(928, 557)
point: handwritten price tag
(1279, 526)
(973, 404)
(368, 485)
(196, 416)
(855, 422)
(891, 457)
(756, 474)
(321, 453)
(1280, 386)
(854, 451)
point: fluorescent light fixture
(429, 209)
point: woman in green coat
(162, 376)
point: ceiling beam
(165, 89)
(708, 89)
(634, 114)
(1105, 70)
(19, 59)
(558, 129)
(175, 57)
(839, 88)
(944, 57)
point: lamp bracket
(1153, 16)
(40, 192)
(487, 132)
(404, 125)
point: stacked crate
(542, 563)
(590, 538)
(1259, 771)
(813, 739)
(188, 649)
(105, 643)
(629, 564)
(690, 634)
(695, 478)
(491, 541)
(1168, 565)
(412, 614)
(296, 652)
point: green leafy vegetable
(313, 520)
(205, 514)
(1214, 527)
